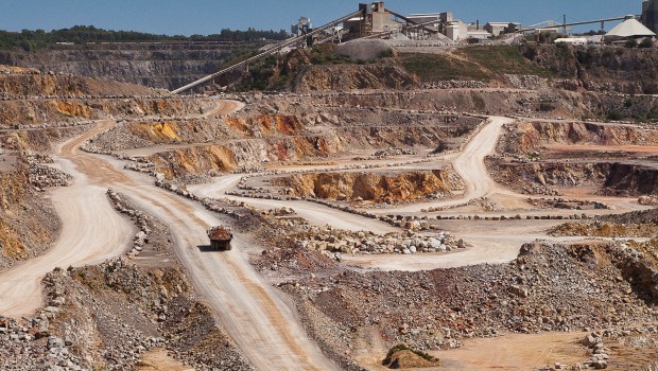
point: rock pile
(599, 359)
(456, 84)
(45, 177)
(335, 242)
(140, 220)
(279, 212)
(648, 200)
(548, 288)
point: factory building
(376, 19)
(301, 27)
(499, 28)
(442, 20)
(650, 14)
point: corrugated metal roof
(630, 28)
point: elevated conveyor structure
(274, 50)
(565, 25)
(406, 30)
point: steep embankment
(389, 188)
(30, 98)
(532, 136)
(610, 173)
(353, 77)
(609, 178)
(548, 177)
(619, 69)
(249, 139)
(168, 68)
(543, 103)
(28, 224)
(34, 83)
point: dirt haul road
(315, 214)
(470, 166)
(258, 318)
(85, 239)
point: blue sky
(186, 17)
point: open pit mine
(373, 205)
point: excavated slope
(529, 137)
(370, 186)
(168, 68)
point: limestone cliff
(167, 69)
(529, 137)
(390, 188)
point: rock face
(166, 69)
(541, 177)
(548, 177)
(371, 186)
(630, 71)
(351, 77)
(22, 85)
(280, 131)
(529, 137)
(28, 223)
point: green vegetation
(631, 43)
(651, 116)
(259, 75)
(482, 63)
(278, 72)
(502, 59)
(323, 54)
(647, 42)
(387, 54)
(437, 67)
(615, 115)
(28, 40)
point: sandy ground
(261, 320)
(158, 360)
(602, 148)
(509, 353)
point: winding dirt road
(470, 166)
(493, 242)
(260, 320)
(314, 213)
(257, 317)
(85, 237)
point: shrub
(631, 43)
(647, 42)
(614, 115)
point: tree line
(32, 40)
